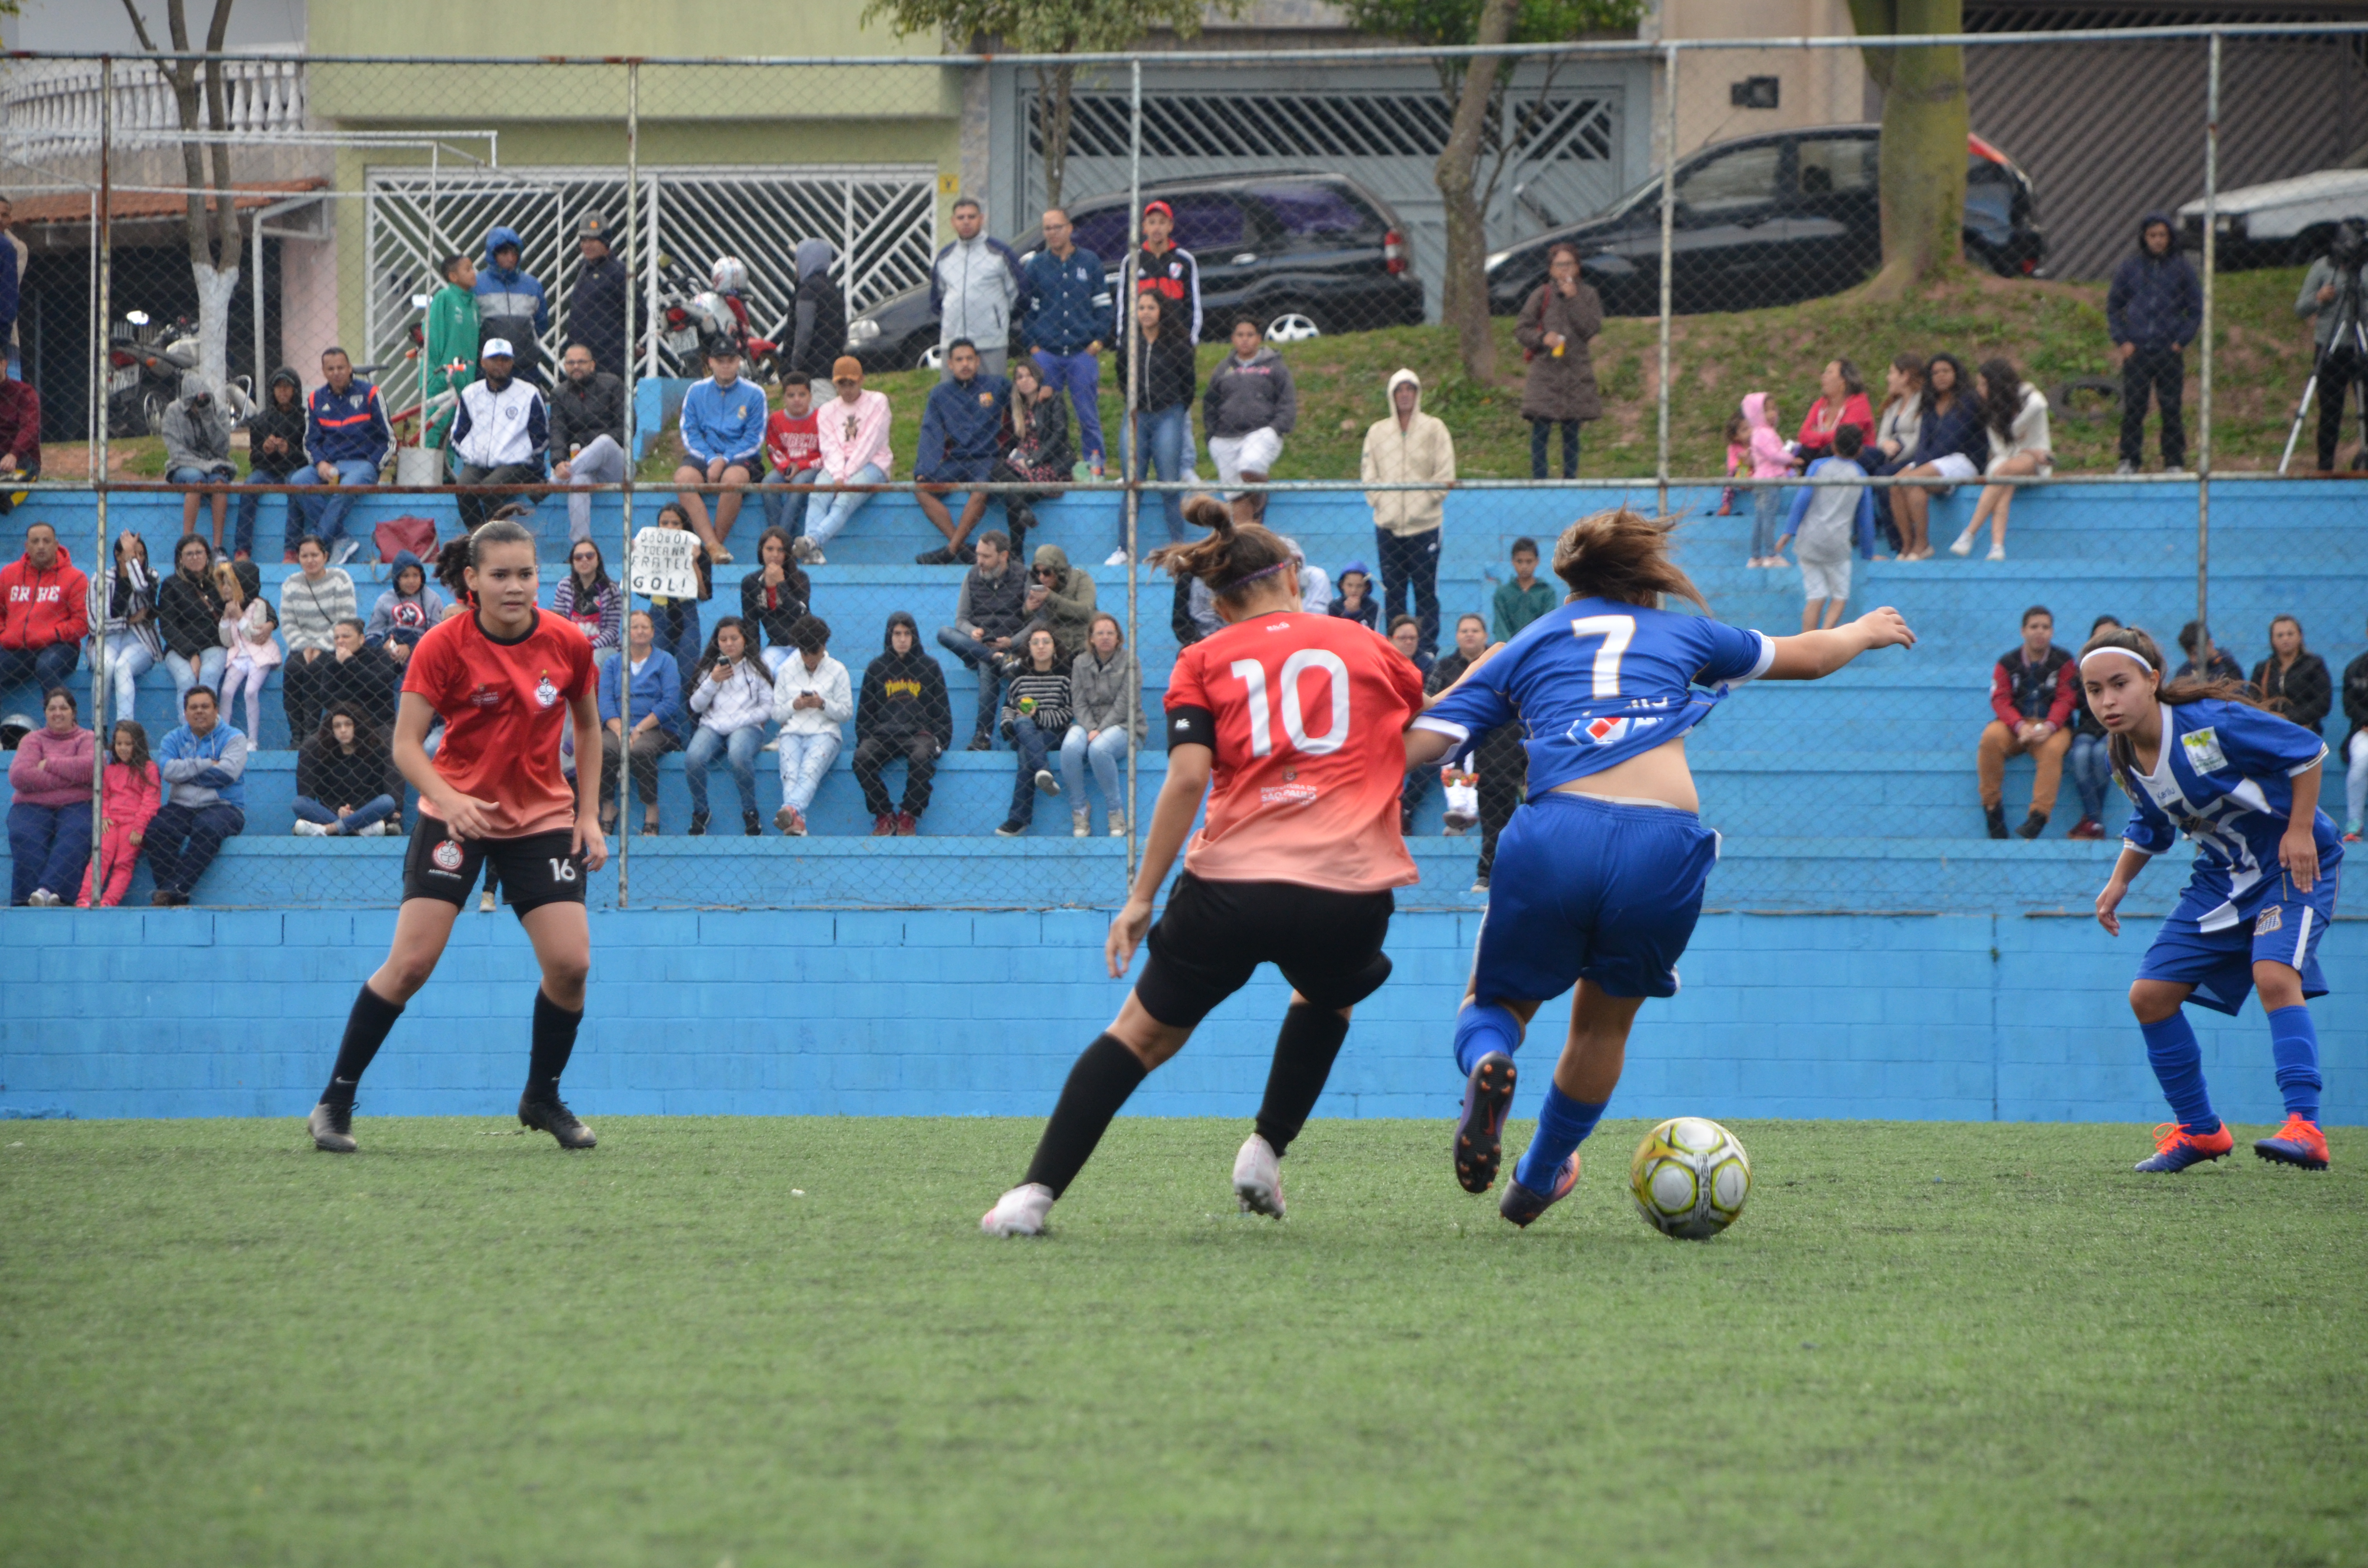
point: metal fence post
(99, 367)
(1131, 452)
(2203, 396)
(1668, 228)
(625, 561)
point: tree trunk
(1052, 94)
(1925, 124)
(1464, 291)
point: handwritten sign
(665, 564)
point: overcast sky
(99, 26)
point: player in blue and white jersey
(1599, 881)
(2200, 758)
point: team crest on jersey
(2203, 753)
(2273, 919)
(446, 857)
(545, 692)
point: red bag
(396, 535)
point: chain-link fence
(258, 296)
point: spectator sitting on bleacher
(1315, 585)
(197, 451)
(347, 436)
(1035, 447)
(1524, 598)
(656, 689)
(723, 433)
(204, 764)
(312, 602)
(988, 616)
(1036, 709)
(20, 434)
(2014, 413)
(1406, 636)
(586, 598)
(501, 435)
(50, 777)
(2089, 761)
(776, 595)
(793, 455)
(1950, 444)
(188, 614)
(345, 783)
(1471, 641)
(245, 630)
(901, 711)
(2293, 680)
(587, 432)
(129, 791)
(2355, 748)
(960, 424)
(1355, 600)
(2205, 659)
(1060, 599)
(1841, 401)
(2031, 691)
(275, 455)
(123, 607)
(1104, 721)
(732, 695)
(1896, 427)
(44, 613)
(812, 697)
(407, 611)
(1247, 409)
(676, 621)
(361, 675)
(852, 430)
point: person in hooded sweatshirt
(902, 711)
(453, 335)
(407, 611)
(275, 454)
(2153, 310)
(1250, 407)
(1409, 447)
(1060, 599)
(511, 305)
(44, 612)
(818, 321)
(197, 451)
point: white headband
(2130, 654)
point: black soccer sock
(1100, 1082)
(555, 1041)
(366, 1029)
(1303, 1050)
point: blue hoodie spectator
(723, 422)
(657, 689)
(2154, 301)
(510, 302)
(1057, 301)
(957, 428)
(347, 426)
(203, 770)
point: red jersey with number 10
(504, 705)
(1309, 713)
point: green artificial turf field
(1927, 1344)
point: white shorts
(1255, 452)
(1955, 465)
(1826, 579)
(2044, 471)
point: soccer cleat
(1019, 1212)
(2175, 1148)
(1520, 1205)
(1258, 1177)
(1488, 1097)
(2298, 1143)
(332, 1127)
(552, 1115)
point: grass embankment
(763, 1342)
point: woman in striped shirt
(1035, 715)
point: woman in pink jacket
(48, 820)
(129, 795)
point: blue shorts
(1585, 889)
(957, 471)
(2283, 927)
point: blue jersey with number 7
(1594, 682)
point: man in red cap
(1163, 268)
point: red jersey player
(1296, 722)
(503, 678)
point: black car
(1768, 220)
(1305, 253)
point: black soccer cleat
(332, 1127)
(552, 1115)
(1487, 1098)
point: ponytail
(1233, 558)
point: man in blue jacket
(204, 768)
(347, 436)
(511, 305)
(723, 432)
(1062, 329)
(2153, 310)
(960, 427)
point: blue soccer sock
(1563, 1124)
(2177, 1063)
(1481, 1028)
(2294, 1045)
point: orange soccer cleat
(2298, 1143)
(2175, 1148)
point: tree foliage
(215, 234)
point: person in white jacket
(812, 697)
(733, 697)
(2016, 413)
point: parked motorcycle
(145, 363)
(692, 321)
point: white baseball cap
(496, 347)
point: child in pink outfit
(246, 627)
(127, 799)
(1771, 459)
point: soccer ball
(1689, 1178)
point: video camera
(2348, 249)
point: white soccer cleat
(1257, 1178)
(1019, 1212)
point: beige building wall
(1814, 86)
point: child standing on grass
(130, 792)
(1830, 521)
(1771, 459)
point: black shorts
(541, 868)
(1212, 935)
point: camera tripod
(2351, 336)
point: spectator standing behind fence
(197, 452)
(1062, 328)
(812, 697)
(453, 335)
(1896, 428)
(511, 305)
(129, 791)
(407, 611)
(2355, 748)
(792, 456)
(852, 429)
(2089, 760)
(973, 284)
(902, 711)
(2340, 366)
(501, 435)
(189, 615)
(1167, 272)
(988, 616)
(312, 602)
(1355, 600)
(2153, 310)
(676, 621)
(2033, 689)
(2205, 659)
(595, 309)
(2014, 413)
(123, 607)
(1771, 459)
(203, 763)
(774, 598)
(587, 431)
(962, 428)
(656, 685)
(1558, 383)
(1524, 598)
(1159, 358)
(44, 613)
(361, 675)
(818, 319)
(1407, 446)
(587, 598)
(1060, 600)
(20, 433)
(1951, 444)
(347, 436)
(1841, 399)
(1104, 720)
(251, 653)
(2293, 680)
(1035, 714)
(345, 783)
(50, 777)
(722, 441)
(732, 695)
(1250, 407)
(275, 452)
(1035, 449)
(1829, 521)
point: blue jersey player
(2199, 759)
(1599, 881)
